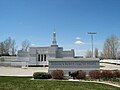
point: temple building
(57, 59)
(41, 55)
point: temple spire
(54, 39)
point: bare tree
(1, 48)
(111, 46)
(96, 53)
(118, 55)
(101, 55)
(7, 47)
(89, 54)
(13, 47)
(25, 45)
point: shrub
(95, 74)
(114, 79)
(81, 74)
(73, 74)
(58, 74)
(116, 73)
(41, 75)
(106, 74)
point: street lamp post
(91, 33)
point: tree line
(8, 47)
(111, 49)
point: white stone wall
(32, 61)
(23, 59)
(73, 65)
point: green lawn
(17, 83)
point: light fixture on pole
(91, 33)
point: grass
(22, 83)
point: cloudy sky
(36, 20)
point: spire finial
(54, 39)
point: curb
(97, 82)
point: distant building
(41, 55)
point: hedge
(106, 74)
(57, 74)
(116, 73)
(41, 75)
(95, 74)
(81, 74)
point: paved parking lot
(107, 66)
(13, 71)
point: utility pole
(91, 33)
